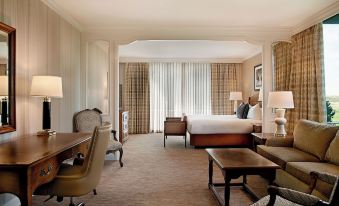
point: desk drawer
(44, 172)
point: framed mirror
(7, 78)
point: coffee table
(236, 162)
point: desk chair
(74, 180)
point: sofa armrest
(279, 142)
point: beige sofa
(315, 148)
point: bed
(221, 130)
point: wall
(97, 72)
(247, 78)
(46, 45)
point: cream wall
(247, 75)
(46, 45)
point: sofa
(315, 147)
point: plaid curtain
(136, 97)
(224, 79)
(305, 76)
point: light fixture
(4, 99)
(280, 100)
(235, 96)
(47, 87)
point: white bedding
(219, 124)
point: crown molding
(55, 7)
(316, 18)
(198, 60)
(259, 51)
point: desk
(30, 161)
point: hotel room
(169, 103)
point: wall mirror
(7, 78)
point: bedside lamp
(4, 99)
(281, 100)
(235, 96)
(47, 87)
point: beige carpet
(154, 175)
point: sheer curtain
(165, 93)
(177, 88)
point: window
(331, 62)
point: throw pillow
(240, 110)
(247, 107)
(332, 154)
(254, 112)
(313, 137)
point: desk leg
(227, 190)
(210, 172)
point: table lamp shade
(281, 99)
(260, 95)
(3, 85)
(235, 95)
(46, 86)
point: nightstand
(260, 138)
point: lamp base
(46, 132)
(280, 122)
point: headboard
(253, 100)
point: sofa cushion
(313, 137)
(302, 170)
(332, 154)
(282, 155)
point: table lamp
(235, 96)
(47, 87)
(281, 100)
(260, 97)
(4, 99)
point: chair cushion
(302, 170)
(278, 202)
(332, 154)
(313, 137)
(282, 155)
(114, 145)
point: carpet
(154, 175)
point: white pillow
(254, 112)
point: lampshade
(46, 86)
(3, 85)
(260, 95)
(280, 100)
(235, 95)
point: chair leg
(165, 140)
(95, 192)
(120, 159)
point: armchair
(288, 197)
(174, 126)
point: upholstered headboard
(253, 100)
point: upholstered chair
(86, 120)
(286, 197)
(77, 180)
(174, 126)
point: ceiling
(92, 14)
(192, 49)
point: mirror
(7, 78)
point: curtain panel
(305, 76)
(177, 88)
(137, 97)
(225, 78)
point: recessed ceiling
(193, 49)
(212, 13)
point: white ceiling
(193, 49)
(91, 14)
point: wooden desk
(30, 161)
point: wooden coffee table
(236, 162)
